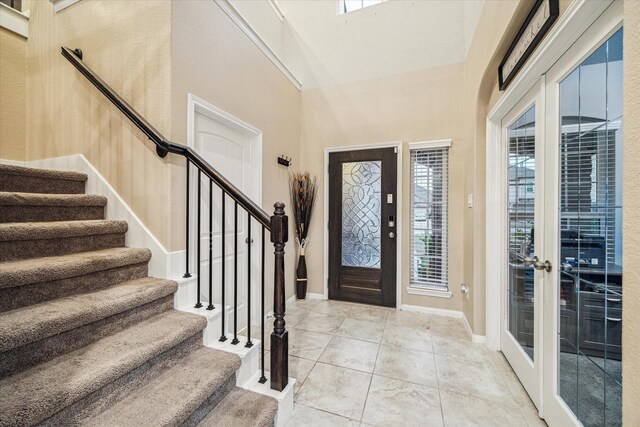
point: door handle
(392, 234)
(546, 266)
(247, 241)
(537, 264)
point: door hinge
(395, 150)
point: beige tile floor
(359, 365)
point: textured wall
(631, 217)
(13, 94)
(416, 106)
(128, 44)
(214, 60)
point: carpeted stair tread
(172, 397)
(59, 229)
(37, 270)
(32, 180)
(42, 173)
(35, 322)
(242, 408)
(37, 199)
(38, 393)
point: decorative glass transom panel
(361, 201)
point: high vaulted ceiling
(322, 48)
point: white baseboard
(478, 339)
(163, 264)
(312, 295)
(12, 162)
(432, 310)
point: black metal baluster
(186, 265)
(223, 336)
(249, 343)
(262, 379)
(210, 306)
(198, 303)
(235, 339)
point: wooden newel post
(279, 336)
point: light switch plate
(470, 200)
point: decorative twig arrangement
(303, 188)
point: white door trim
(399, 203)
(199, 105)
(569, 27)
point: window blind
(429, 212)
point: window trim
(341, 11)
(422, 288)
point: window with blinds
(429, 211)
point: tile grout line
(370, 381)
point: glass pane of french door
(521, 169)
(590, 237)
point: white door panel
(231, 151)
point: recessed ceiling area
(324, 48)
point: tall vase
(301, 277)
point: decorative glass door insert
(361, 200)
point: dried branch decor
(303, 188)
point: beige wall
(499, 22)
(631, 217)
(13, 94)
(214, 60)
(127, 44)
(416, 106)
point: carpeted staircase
(86, 337)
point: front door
(362, 226)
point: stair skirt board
(86, 336)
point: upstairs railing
(276, 226)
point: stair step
(204, 377)
(32, 207)
(32, 180)
(37, 270)
(20, 240)
(35, 322)
(242, 408)
(36, 394)
(36, 280)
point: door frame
(570, 27)
(579, 16)
(196, 105)
(399, 212)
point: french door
(562, 280)
(523, 280)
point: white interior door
(232, 151)
(583, 233)
(523, 173)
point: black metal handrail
(163, 145)
(276, 225)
